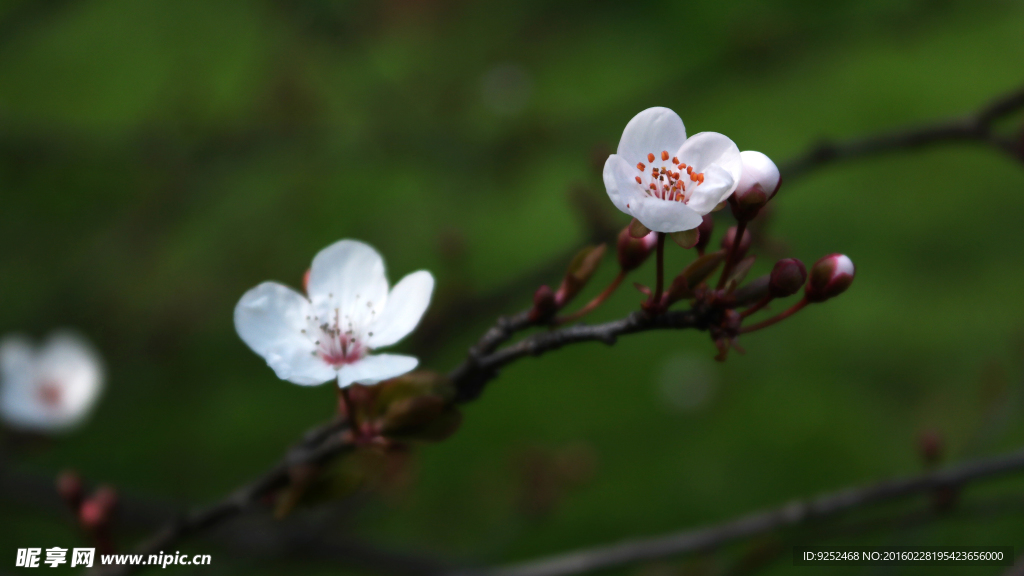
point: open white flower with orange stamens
(666, 180)
(348, 314)
(50, 388)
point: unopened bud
(305, 280)
(707, 226)
(544, 306)
(758, 183)
(730, 237)
(581, 269)
(69, 487)
(787, 278)
(96, 511)
(632, 251)
(92, 515)
(830, 277)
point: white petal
(652, 131)
(406, 304)
(707, 148)
(844, 265)
(19, 405)
(758, 169)
(665, 215)
(16, 357)
(71, 361)
(348, 276)
(270, 319)
(374, 368)
(717, 186)
(620, 183)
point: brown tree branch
(799, 512)
(319, 445)
(485, 359)
(474, 373)
(326, 442)
(256, 535)
(977, 127)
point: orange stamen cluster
(666, 183)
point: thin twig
(793, 514)
(976, 127)
(474, 373)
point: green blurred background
(159, 158)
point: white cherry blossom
(348, 314)
(50, 388)
(666, 180)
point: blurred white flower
(349, 313)
(666, 180)
(50, 388)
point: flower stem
(597, 301)
(350, 410)
(792, 310)
(760, 304)
(660, 279)
(730, 261)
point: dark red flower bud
(69, 486)
(92, 515)
(729, 238)
(830, 277)
(787, 278)
(633, 252)
(544, 306)
(95, 512)
(707, 226)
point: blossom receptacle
(666, 180)
(332, 333)
(787, 277)
(633, 252)
(51, 388)
(829, 277)
(758, 184)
